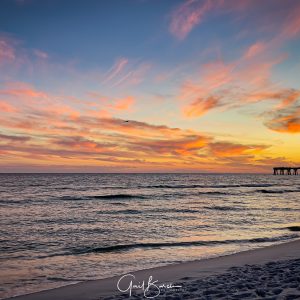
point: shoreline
(184, 273)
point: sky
(149, 85)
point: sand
(267, 273)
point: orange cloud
(232, 84)
(244, 80)
(59, 138)
(105, 107)
(93, 142)
(6, 107)
(21, 90)
(188, 145)
(285, 120)
(23, 93)
(35, 102)
(213, 76)
(200, 106)
(285, 116)
(57, 133)
(123, 104)
(225, 149)
(288, 98)
(285, 96)
(203, 95)
(78, 142)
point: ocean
(59, 229)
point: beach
(267, 273)
(66, 229)
(149, 149)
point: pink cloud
(40, 54)
(139, 73)
(23, 92)
(192, 12)
(123, 79)
(54, 132)
(116, 69)
(235, 83)
(255, 49)
(7, 51)
(31, 101)
(123, 104)
(187, 16)
(6, 107)
(291, 26)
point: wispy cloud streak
(189, 14)
(116, 69)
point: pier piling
(286, 171)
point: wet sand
(267, 273)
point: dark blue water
(58, 229)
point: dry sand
(267, 273)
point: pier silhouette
(286, 171)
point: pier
(286, 171)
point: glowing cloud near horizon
(134, 102)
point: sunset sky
(149, 85)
